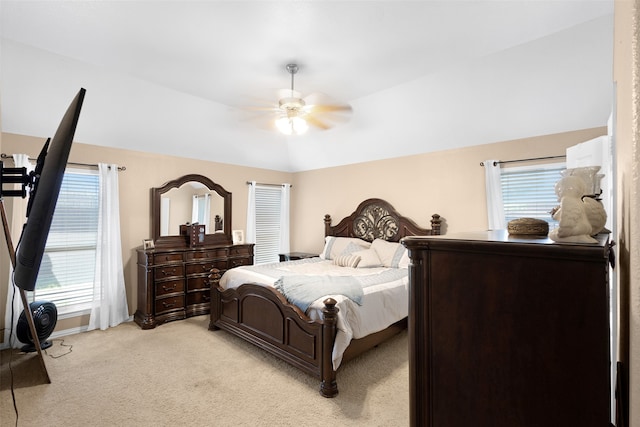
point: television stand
(23, 293)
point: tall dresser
(508, 331)
(172, 283)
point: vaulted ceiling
(174, 77)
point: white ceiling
(170, 76)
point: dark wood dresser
(172, 283)
(507, 331)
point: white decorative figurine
(595, 213)
(574, 225)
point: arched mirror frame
(180, 241)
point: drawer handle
(168, 305)
(169, 288)
(167, 273)
(206, 297)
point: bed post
(216, 304)
(328, 387)
(327, 225)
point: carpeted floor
(181, 374)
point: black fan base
(30, 348)
(45, 316)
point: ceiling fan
(293, 114)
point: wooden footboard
(263, 317)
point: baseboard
(63, 333)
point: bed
(246, 303)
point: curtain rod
(268, 185)
(524, 160)
(90, 165)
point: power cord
(62, 344)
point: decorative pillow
(348, 260)
(334, 246)
(390, 253)
(368, 258)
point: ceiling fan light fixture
(294, 115)
(291, 103)
(292, 125)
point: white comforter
(382, 304)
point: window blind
(267, 224)
(529, 192)
(66, 274)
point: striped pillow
(348, 260)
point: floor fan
(45, 316)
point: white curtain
(109, 296)
(201, 210)
(195, 205)
(495, 206)
(284, 218)
(251, 214)
(14, 302)
(207, 212)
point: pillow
(368, 258)
(390, 253)
(348, 260)
(351, 248)
(404, 260)
(334, 246)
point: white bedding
(382, 304)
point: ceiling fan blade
(262, 118)
(264, 122)
(314, 121)
(329, 108)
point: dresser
(507, 331)
(173, 285)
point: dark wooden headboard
(377, 219)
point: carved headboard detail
(377, 219)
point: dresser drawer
(240, 250)
(168, 271)
(167, 257)
(169, 304)
(207, 254)
(237, 262)
(169, 287)
(198, 297)
(205, 267)
(198, 282)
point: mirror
(190, 199)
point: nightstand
(291, 256)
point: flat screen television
(44, 196)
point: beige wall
(450, 183)
(627, 135)
(143, 171)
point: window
(66, 275)
(268, 202)
(529, 191)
